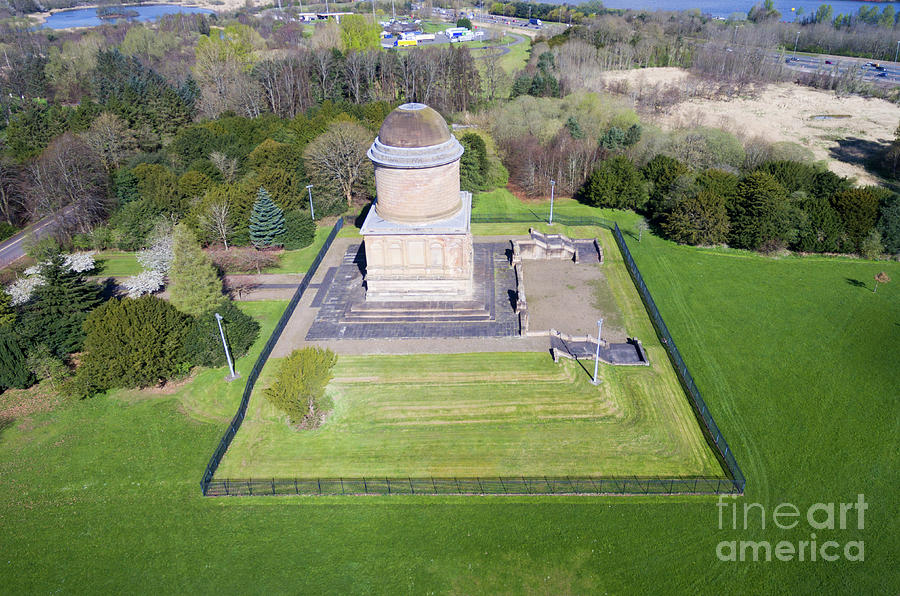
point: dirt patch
(786, 112)
(19, 404)
(564, 296)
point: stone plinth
(414, 262)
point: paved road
(12, 249)
(888, 74)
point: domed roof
(413, 125)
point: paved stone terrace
(619, 353)
(344, 314)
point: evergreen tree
(299, 387)
(661, 172)
(13, 371)
(820, 227)
(299, 229)
(203, 344)
(266, 221)
(616, 183)
(858, 208)
(574, 128)
(195, 285)
(701, 219)
(7, 312)
(132, 343)
(58, 308)
(760, 215)
(474, 163)
(889, 224)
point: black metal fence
(519, 485)
(261, 361)
(542, 485)
(708, 424)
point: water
(727, 8)
(87, 17)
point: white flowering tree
(159, 255)
(145, 282)
(20, 290)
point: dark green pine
(266, 221)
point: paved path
(13, 248)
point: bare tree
(216, 220)
(337, 157)
(109, 137)
(227, 166)
(68, 180)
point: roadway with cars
(888, 72)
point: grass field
(798, 365)
(487, 415)
(117, 264)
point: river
(87, 17)
(717, 8)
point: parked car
(881, 74)
(829, 62)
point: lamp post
(233, 374)
(312, 212)
(897, 51)
(552, 189)
(595, 380)
(796, 39)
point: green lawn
(798, 365)
(487, 415)
(113, 263)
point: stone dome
(413, 125)
(416, 163)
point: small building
(418, 238)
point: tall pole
(233, 374)
(552, 188)
(897, 50)
(312, 212)
(796, 39)
(595, 381)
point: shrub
(299, 387)
(131, 343)
(203, 344)
(13, 369)
(858, 208)
(760, 214)
(299, 230)
(705, 148)
(473, 165)
(700, 219)
(615, 183)
(871, 247)
(243, 260)
(889, 224)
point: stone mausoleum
(418, 240)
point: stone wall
(417, 195)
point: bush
(131, 343)
(858, 208)
(701, 219)
(616, 183)
(473, 165)
(299, 387)
(889, 224)
(705, 148)
(760, 214)
(243, 260)
(203, 343)
(13, 369)
(133, 223)
(299, 230)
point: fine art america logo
(828, 518)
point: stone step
(425, 307)
(420, 318)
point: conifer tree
(58, 308)
(195, 285)
(266, 221)
(13, 372)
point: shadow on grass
(5, 423)
(862, 152)
(856, 283)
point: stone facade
(418, 241)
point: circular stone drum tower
(418, 240)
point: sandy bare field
(786, 112)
